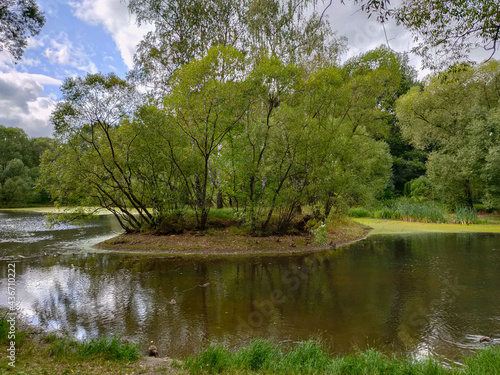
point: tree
(446, 31)
(14, 143)
(19, 20)
(408, 162)
(19, 161)
(93, 160)
(456, 116)
(206, 104)
(185, 30)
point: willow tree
(293, 30)
(205, 104)
(93, 161)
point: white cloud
(62, 51)
(366, 33)
(35, 42)
(23, 103)
(59, 53)
(114, 17)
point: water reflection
(424, 294)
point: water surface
(422, 294)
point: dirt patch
(225, 242)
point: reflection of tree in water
(89, 303)
(362, 295)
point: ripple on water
(419, 294)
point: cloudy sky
(82, 36)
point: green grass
(112, 349)
(257, 356)
(50, 354)
(487, 361)
(403, 209)
(63, 347)
(222, 213)
(466, 215)
(309, 358)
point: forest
(19, 168)
(249, 107)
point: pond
(421, 294)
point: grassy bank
(400, 227)
(57, 210)
(407, 209)
(37, 353)
(48, 354)
(261, 357)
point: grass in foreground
(51, 355)
(261, 357)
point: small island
(232, 241)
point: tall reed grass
(466, 215)
(404, 209)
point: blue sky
(87, 36)
(79, 37)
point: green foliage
(310, 358)
(457, 117)
(448, 30)
(187, 30)
(258, 355)
(307, 358)
(19, 161)
(419, 188)
(486, 361)
(4, 330)
(105, 348)
(418, 211)
(445, 31)
(404, 209)
(264, 138)
(213, 360)
(466, 215)
(108, 348)
(360, 212)
(320, 234)
(19, 20)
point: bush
(320, 235)
(360, 212)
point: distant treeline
(19, 168)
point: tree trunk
(220, 202)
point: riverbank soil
(232, 241)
